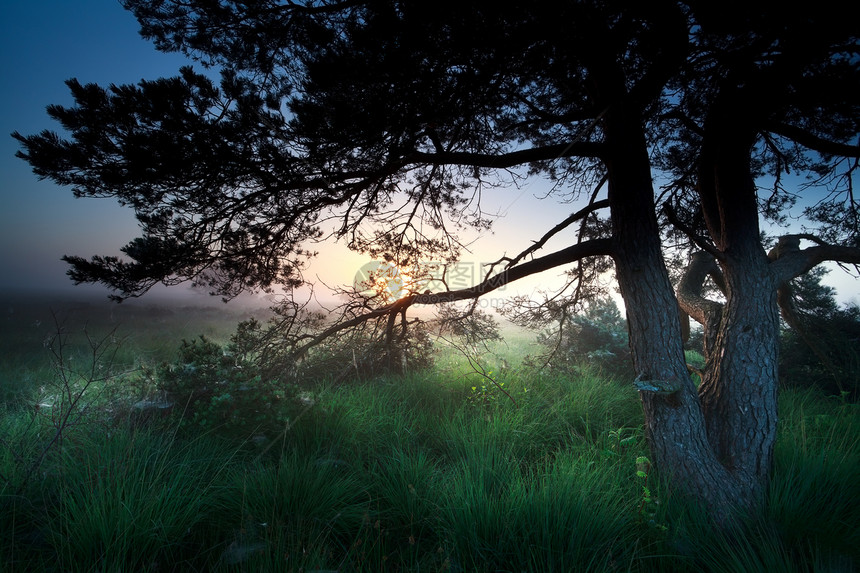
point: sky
(42, 44)
(45, 42)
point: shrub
(364, 355)
(825, 355)
(250, 384)
(277, 350)
(596, 337)
(215, 387)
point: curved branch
(791, 265)
(596, 247)
(706, 312)
(812, 141)
(788, 248)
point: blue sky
(45, 42)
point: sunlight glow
(383, 281)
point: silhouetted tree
(822, 347)
(392, 118)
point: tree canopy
(389, 120)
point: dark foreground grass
(436, 471)
(414, 475)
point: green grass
(417, 473)
(135, 501)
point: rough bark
(674, 422)
(739, 390)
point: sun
(382, 280)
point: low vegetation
(118, 454)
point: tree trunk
(739, 390)
(738, 393)
(715, 444)
(675, 424)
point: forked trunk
(674, 421)
(738, 394)
(739, 389)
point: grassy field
(139, 333)
(442, 470)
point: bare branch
(593, 248)
(793, 264)
(685, 120)
(700, 241)
(704, 311)
(511, 159)
(812, 141)
(584, 212)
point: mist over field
(541, 287)
(476, 463)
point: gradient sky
(45, 42)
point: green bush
(283, 348)
(825, 350)
(827, 355)
(214, 387)
(596, 337)
(362, 356)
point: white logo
(379, 279)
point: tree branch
(791, 265)
(584, 212)
(596, 247)
(592, 248)
(685, 121)
(510, 159)
(704, 311)
(700, 241)
(812, 141)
